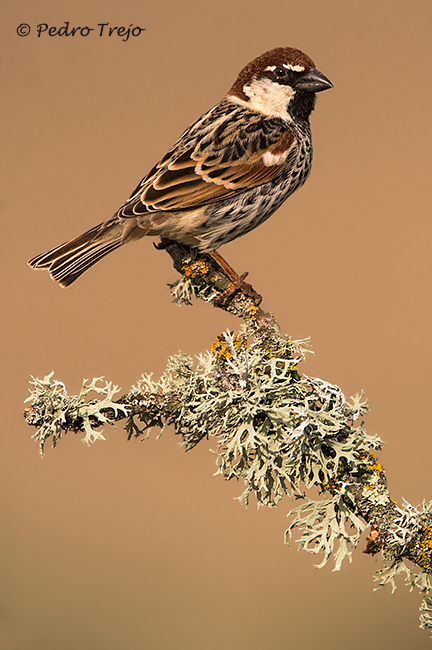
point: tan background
(127, 545)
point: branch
(280, 431)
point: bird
(226, 174)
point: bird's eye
(280, 72)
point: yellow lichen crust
(252, 310)
(373, 465)
(196, 269)
(425, 542)
(220, 348)
(331, 486)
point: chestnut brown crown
(284, 65)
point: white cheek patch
(269, 98)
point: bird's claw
(238, 284)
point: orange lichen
(426, 548)
(252, 310)
(199, 268)
(376, 467)
(220, 349)
(331, 486)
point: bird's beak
(313, 81)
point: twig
(278, 430)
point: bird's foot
(164, 243)
(237, 282)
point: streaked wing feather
(218, 157)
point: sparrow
(228, 172)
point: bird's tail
(68, 261)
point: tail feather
(68, 268)
(68, 261)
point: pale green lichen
(410, 535)
(394, 567)
(278, 431)
(56, 408)
(193, 282)
(426, 614)
(329, 526)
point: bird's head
(280, 83)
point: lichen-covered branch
(202, 277)
(280, 431)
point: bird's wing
(229, 150)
